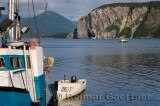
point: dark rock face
(131, 20)
(72, 35)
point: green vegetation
(132, 5)
(147, 27)
(113, 27)
(82, 18)
(137, 22)
(126, 32)
(156, 34)
(119, 20)
(155, 4)
(142, 30)
(58, 35)
(131, 8)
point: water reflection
(124, 73)
(118, 74)
(141, 65)
(73, 101)
(109, 67)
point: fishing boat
(22, 75)
(64, 89)
(124, 40)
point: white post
(18, 24)
(12, 33)
(25, 58)
(10, 16)
(32, 73)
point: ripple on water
(127, 69)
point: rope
(30, 28)
(43, 22)
(23, 80)
(35, 18)
(29, 19)
(46, 80)
(10, 78)
(23, 22)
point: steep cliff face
(120, 20)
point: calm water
(116, 73)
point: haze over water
(116, 73)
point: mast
(11, 16)
(18, 36)
(12, 38)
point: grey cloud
(72, 9)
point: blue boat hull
(11, 96)
(8, 98)
(14, 99)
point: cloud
(72, 9)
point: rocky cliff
(120, 20)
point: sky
(71, 9)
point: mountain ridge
(54, 23)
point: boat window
(2, 64)
(12, 60)
(19, 63)
(28, 62)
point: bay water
(118, 74)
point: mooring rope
(29, 19)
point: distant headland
(120, 20)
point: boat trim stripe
(20, 71)
(13, 89)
